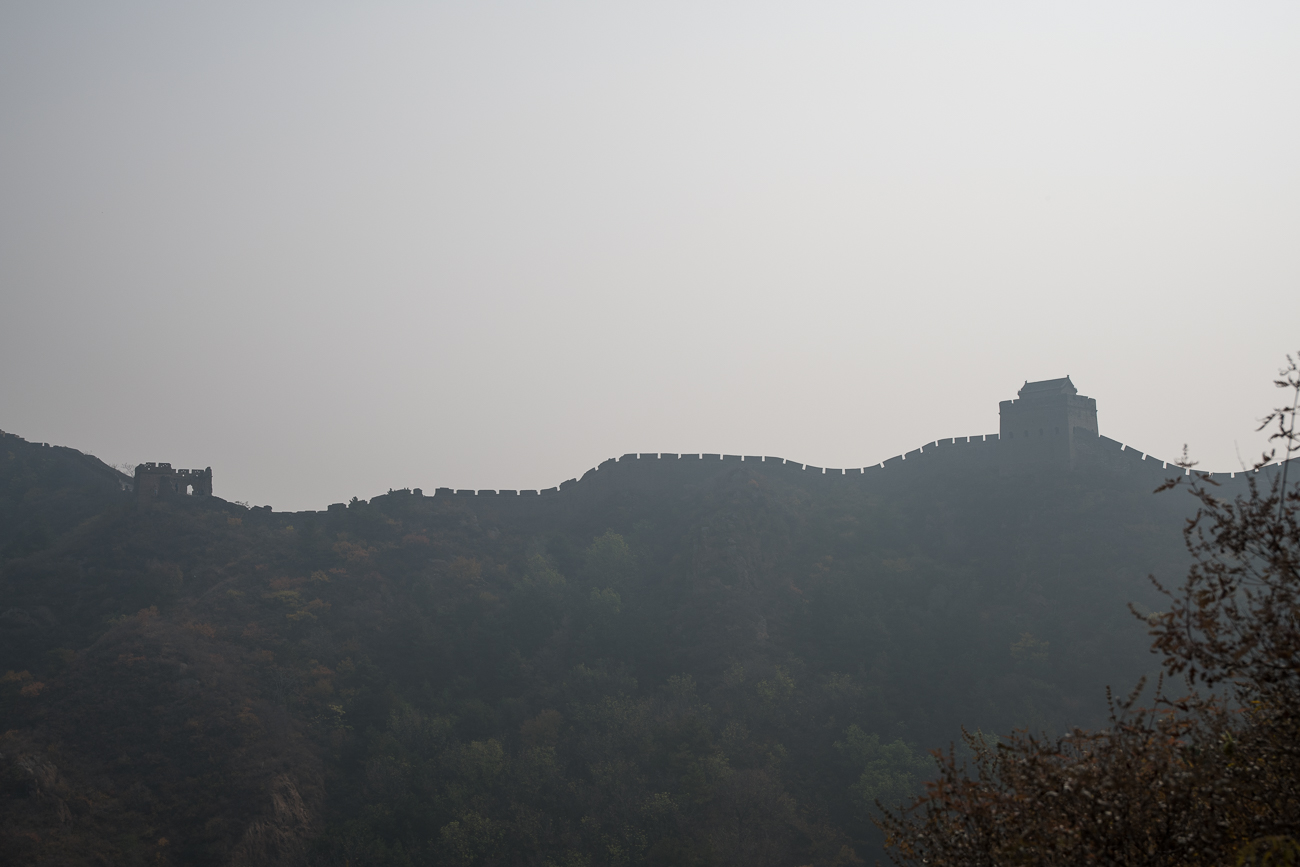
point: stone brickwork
(159, 481)
(1040, 423)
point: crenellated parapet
(1040, 424)
(158, 481)
(1049, 428)
(989, 454)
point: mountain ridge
(409, 679)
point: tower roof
(1047, 387)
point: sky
(333, 249)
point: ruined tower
(156, 481)
(1045, 420)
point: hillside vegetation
(730, 674)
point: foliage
(891, 773)
(1205, 779)
(723, 674)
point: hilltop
(723, 669)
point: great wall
(1048, 428)
(660, 472)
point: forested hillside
(727, 674)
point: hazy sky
(330, 250)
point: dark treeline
(731, 674)
(1207, 771)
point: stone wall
(960, 458)
(154, 481)
(1043, 427)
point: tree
(1204, 779)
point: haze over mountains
(334, 251)
(723, 664)
(635, 387)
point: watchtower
(1046, 418)
(156, 481)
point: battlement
(1048, 429)
(158, 480)
(1041, 421)
(664, 473)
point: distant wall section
(1048, 429)
(158, 481)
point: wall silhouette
(961, 459)
(1048, 429)
(154, 481)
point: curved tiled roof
(1044, 387)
